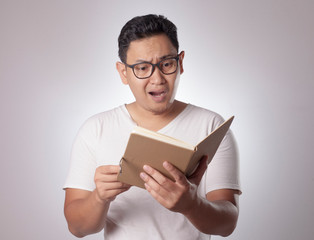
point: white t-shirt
(135, 214)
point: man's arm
(216, 215)
(86, 211)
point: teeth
(156, 93)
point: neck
(154, 120)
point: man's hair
(145, 26)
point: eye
(168, 63)
(142, 67)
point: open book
(152, 148)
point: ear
(181, 56)
(122, 72)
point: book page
(162, 137)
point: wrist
(192, 209)
(99, 200)
(193, 204)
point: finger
(178, 176)
(108, 169)
(156, 183)
(111, 193)
(112, 185)
(107, 173)
(153, 176)
(156, 194)
(156, 190)
(167, 193)
(105, 178)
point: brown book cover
(152, 148)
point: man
(188, 208)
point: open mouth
(157, 93)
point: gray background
(251, 59)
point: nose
(157, 77)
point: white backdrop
(251, 59)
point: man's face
(156, 93)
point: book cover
(152, 148)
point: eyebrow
(160, 59)
(167, 56)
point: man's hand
(178, 195)
(107, 185)
(217, 214)
(86, 211)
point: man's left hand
(178, 195)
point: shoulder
(97, 123)
(109, 115)
(112, 115)
(203, 115)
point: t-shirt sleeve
(223, 170)
(83, 163)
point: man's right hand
(107, 185)
(86, 211)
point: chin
(161, 108)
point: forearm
(215, 218)
(86, 216)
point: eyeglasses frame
(154, 65)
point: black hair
(145, 26)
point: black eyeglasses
(145, 69)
